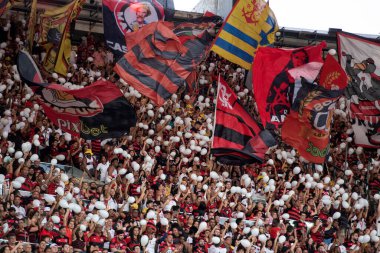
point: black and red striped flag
(238, 138)
(158, 62)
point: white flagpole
(216, 106)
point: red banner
(312, 113)
(273, 89)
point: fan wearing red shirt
(62, 239)
(96, 238)
(118, 243)
(167, 245)
(275, 229)
(134, 237)
(188, 205)
(53, 183)
(48, 231)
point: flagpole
(216, 106)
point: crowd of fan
(158, 189)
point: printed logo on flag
(67, 104)
(224, 97)
(131, 17)
(252, 11)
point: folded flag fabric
(238, 139)
(307, 127)
(158, 63)
(98, 111)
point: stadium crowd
(158, 189)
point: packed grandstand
(93, 159)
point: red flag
(157, 63)
(312, 113)
(273, 89)
(238, 138)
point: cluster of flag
(161, 57)
(291, 87)
(296, 87)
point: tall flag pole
(217, 96)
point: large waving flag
(360, 57)
(312, 112)
(98, 111)
(55, 35)
(158, 63)
(250, 24)
(273, 89)
(238, 139)
(124, 16)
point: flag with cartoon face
(124, 16)
(360, 57)
(97, 111)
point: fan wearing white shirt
(103, 168)
(20, 211)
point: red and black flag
(312, 112)
(238, 139)
(158, 63)
(273, 89)
(98, 111)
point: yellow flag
(32, 24)
(55, 36)
(63, 57)
(250, 24)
